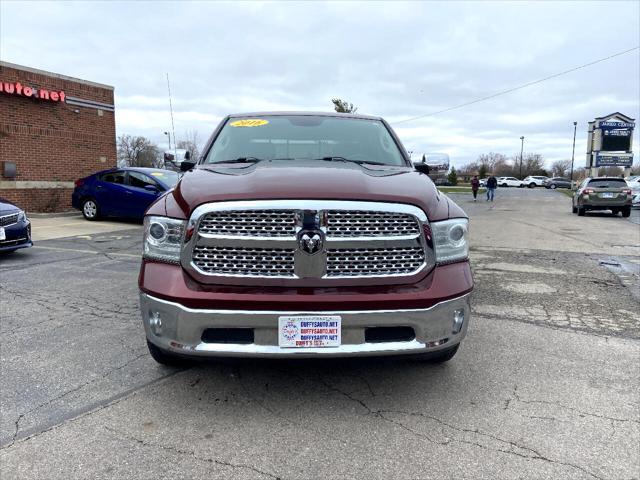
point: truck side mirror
(422, 168)
(187, 165)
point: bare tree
(560, 168)
(343, 106)
(491, 160)
(190, 142)
(610, 171)
(137, 151)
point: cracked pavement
(545, 385)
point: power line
(503, 92)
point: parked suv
(509, 182)
(603, 193)
(532, 182)
(304, 235)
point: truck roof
(310, 114)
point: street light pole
(573, 152)
(521, 150)
(169, 136)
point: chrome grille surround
(7, 220)
(368, 243)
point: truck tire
(626, 211)
(165, 358)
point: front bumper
(17, 236)
(182, 330)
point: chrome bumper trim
(182, 329)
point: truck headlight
(450, 239)
(163, 238)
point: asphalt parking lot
(545, 385)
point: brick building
(54, 130)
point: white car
(483, 182)
(634, 183)
(509, 182)
(534, 181)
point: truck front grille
(252, 223)
(277, 241)
(349, 223)
(260, 262)
(360, 262)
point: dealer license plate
(309, 331)
(607, 195)
(3, 236)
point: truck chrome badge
(310, 241)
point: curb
(72, 213)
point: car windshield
(167, 177)
(608, 183)
(304, 137)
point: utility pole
(521, 150)
(573, 152)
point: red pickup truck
(304, 235)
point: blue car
(15, 227)
(121, 192)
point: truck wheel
(90, 209)
(165, 358)
(581, 211)
(626, 211)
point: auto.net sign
(16, 88)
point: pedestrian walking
(492, 184)
(475, 185)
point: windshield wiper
(243, 160)
(342, 159)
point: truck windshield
(304, 137)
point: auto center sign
(16, 88)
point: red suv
(304, 235)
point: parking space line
(74, 250)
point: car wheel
(553, 186)
(90, 209)
(504, 185)
(581, 211)
(573, 209)
(626, 211)
(615, 211)
(165, 358)
(532, 185)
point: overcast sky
(397, 60)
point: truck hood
(314, 180)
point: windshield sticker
(249, 122)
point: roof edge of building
(54, 75)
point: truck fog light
(458, 321)
(155, 322)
